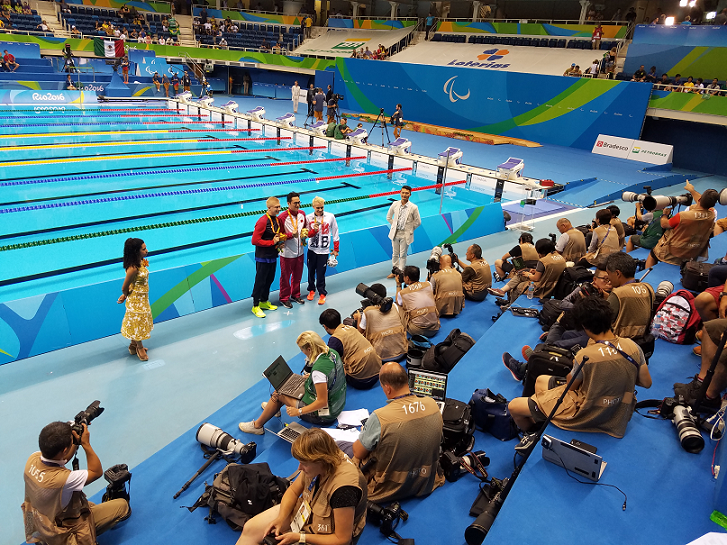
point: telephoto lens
(689, 435)
(664, 289)
(213, 437)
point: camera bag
(695, 275)
(492, 415)
(418, 345)
(241, 491)
(459, 427)
(546, 360)
(549, 313)
(571, 278)
(443, 356)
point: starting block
(257, 114)
(288, 120)
(205, 101)
(319, 128)
(400, 146)
(450, 156)
(184, 97)
(230, 107)
(358, 136)
(511, 168)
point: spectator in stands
(651, 76)
(148, 40)
(75, 32)
(308, 26)
(265, 46)
(571, 243)
(677, 83)
(367, 53)
(687, 233)
(354, 54)
(42, 26)
(396, 466)
(650, 234)
(714, 88)
(603, 242)
(596, 37)
(155, 81)
(65, 8)
(577, 72)
(524, 253)
(360, 360)
(342, 129)
(429, 25)
(545, 275)
(476, 277)
(593, 69)
(687, 20)
(640, 74)
(203, 14)
(569, 71)
(663, 83)
(9, 60)
(417, 300)
(688, 85)
(630, 300)
(601, 398)
(319, 102)
(222, 43)
(4, 18)
(448, 288)
(699, 86)
(162, 41)
(278, 48)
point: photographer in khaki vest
(603, 242)
(399, 445)
(385, 330)
(360, 360)
(56, 509)
(524, 250)
(477, 276)
(417, 300)
(571, 243)
(447, 288)
(631, 300)
(686, 235)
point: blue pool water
(75, 174)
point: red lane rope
(199, 130)
(320, 161)
(185, 122)
(208, 140)
(140, 110)
(435, 186)
(368, 174)
(281, 149)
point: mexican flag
(108, 47)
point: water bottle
(531, 290)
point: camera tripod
(381, 122)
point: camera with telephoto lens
(455, 466)
(493, 494)
(117, 476)
(658, 202)
(215, 438)
(85, 417)
(398, 273)
(371, 298)
(387, 518)
(676, 410)
(338, 97)
(433, 261)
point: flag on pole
(108, 47)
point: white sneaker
(265, 404)
(249, 427)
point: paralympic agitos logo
(488, 57)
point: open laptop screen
(278, 372)
(429, 384)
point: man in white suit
(404, 218)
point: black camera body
(387, 518)
(396, 271)
(492, 495)
(433, 261)
(338, 97)
(117, 476)
(86, 417)
(373, 298)
(453, 466)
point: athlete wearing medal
(266, 238)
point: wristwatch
(300, 413)
(302, 537)
(723, 294)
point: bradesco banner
(635, 150)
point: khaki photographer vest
(575, 248)
(45, 519)
(406, 459)
(449, 298)
(361, 361)
(635, 304)
(554, 266)
(419, 306)
(607, 243)
(690, 238)
(619, 226)
(386, 331)
(529, 252)
(482, 279)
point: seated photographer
(56, 509)
(545, 275)
(384, 329)
(652, 229)
(325, 505)
(447, 288)
(477, 276)
(711, 337)
(325, 388)
(601, 398)
(524, 251)
(630, 300)
(571, 243)
(360, 360)
(603, 242)
(417, 300)
(398, 448)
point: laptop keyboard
(292, 385)
(289, 434)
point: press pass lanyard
(624, 354)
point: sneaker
(526, 351)
(517, 368)
(311, 295)
(265, 305)
(249, 427)
(496, 291)
(257, 312)
(697, 350)
(297, 300)
(286, 304)
(688, 390)
(265, 404)
(502, 303)
(543, 337)
(322, 300)
(497, 277)
(698, 336)
(525, 443)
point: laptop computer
(575, 459)
(284, 380)
(430, 384)
(290, 432)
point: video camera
(373, 298)
(658, 202)
(387, 518)
(338, 97)
(117, 476)
(676, 410)
(433, 261)
(85, 417)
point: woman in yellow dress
(138, 323)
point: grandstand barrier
(690, 35)
(140, 5)
(370, 24)
(610, 31)
(249, 16)
(697, 61)
(689, 102)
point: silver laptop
(290, 432)
(284, 380)
(575, 459)
(430, 384)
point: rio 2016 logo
(48, 96)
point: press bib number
(301, 517)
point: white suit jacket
(412, 220)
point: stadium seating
(532, 41)
(251, 35)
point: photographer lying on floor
(602, 396)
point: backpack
(677, 319)
(443, 356)
(571, 278)
(492, 415)
(549, 313)
(458, 427)
(695, 275)
(241, 491)
(546, 360)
